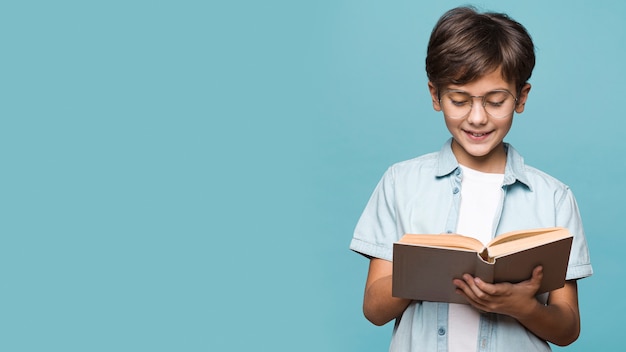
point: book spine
(484, 270)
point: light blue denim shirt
(422, 195)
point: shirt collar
(514, 170)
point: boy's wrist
(529, 310)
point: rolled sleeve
(376, 230)
(568, 216)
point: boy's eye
(458, 99)
(497, 99)
(495, 104)
(458, 102)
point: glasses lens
(498, 104)
(456, 104)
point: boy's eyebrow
(466, 92)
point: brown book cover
(425, 265)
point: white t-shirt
(481, 195)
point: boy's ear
(521, 100)
(434, 96)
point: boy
(478, 66)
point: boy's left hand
(516, 300)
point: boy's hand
(516, 300)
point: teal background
(186, 175)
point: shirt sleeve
(376, 230)
(568, 216)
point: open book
(424, 265)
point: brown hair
(466, 45)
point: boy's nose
(477, 114)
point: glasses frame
(483, 101)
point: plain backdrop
(186, 175)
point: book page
(525, 240)
(443, 241)
(516, 235)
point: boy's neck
(493, 163)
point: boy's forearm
(379, 306)
(558, 322)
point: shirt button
(455, 190)
(441, 331)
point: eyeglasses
(457, 104)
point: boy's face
(477, 136)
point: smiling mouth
(477, 135)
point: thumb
(537, 275)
